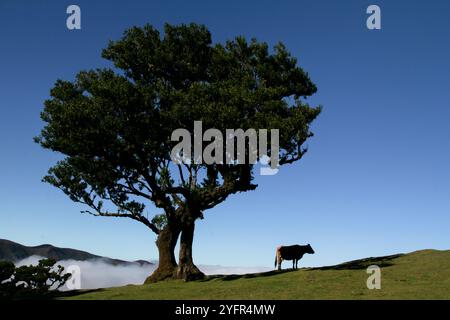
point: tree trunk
(166, 242)
(186, 269)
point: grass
(419, 275)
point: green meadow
(419, 275)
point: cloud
(97, 273)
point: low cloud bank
(97, 273)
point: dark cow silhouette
(293, 253)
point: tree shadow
(52, 295)
(72, 293)
(229, 277)
(385, 261)
(382, 262)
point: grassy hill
(418, 275)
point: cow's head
(310, 249)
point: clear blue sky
(376, 179)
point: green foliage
(6, 270)
(114, 125)
(30, 281)
(159, 221)
(6, 273)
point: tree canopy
(114, 125)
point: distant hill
(12, 251)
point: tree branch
(139, 218)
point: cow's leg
(293, 264)
(296, 263)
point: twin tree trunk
(186, 269)
(166, 242)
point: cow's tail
(277, 256)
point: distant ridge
(12, 251)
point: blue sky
(376, 179)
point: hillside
(419, 275)
(12, 251)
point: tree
(7, 286)
(114, 128)
(39, 279)
(32, 280)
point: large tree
(113, 127)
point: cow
(293, 253)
